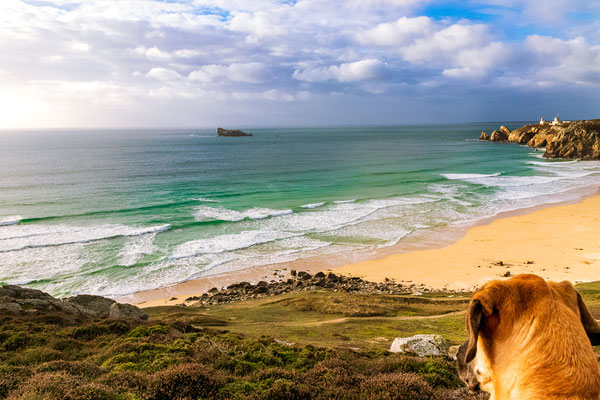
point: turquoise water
(120, 211)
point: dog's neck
(529, 363)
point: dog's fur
(530, 339)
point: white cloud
(194, 50)
(81, 47)
(564, 61)
(460, 50)
(153, 53)
(347, 72)
(257, 25)
(236, 72)
(163, 74)
(399, 33)
(446, 43)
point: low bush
(115, 360)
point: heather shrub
(62, 386)
(142, 331)
(36, 355)
(17, 341)
(127, 381)
(116, 360)
(396, 386)
(10, 379)
(183, 382)
(91, 331)
(77, 368)
(441, 374)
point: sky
(260, 63)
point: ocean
(115, 212)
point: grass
(172, 356)
(307, 345)
(334, 319)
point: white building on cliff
(556, 121)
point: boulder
(484, 136)
(126, 311)
(421, 345)
(17, 299)
(95, 306)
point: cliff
(232, 133)
(577, 139)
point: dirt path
(346, 319)
(397, 318)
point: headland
(561, 139)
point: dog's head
(495, 309)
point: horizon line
(240, 126)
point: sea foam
(22, 237)
(313, 205)
(137, 247)
(461, 177)
(11, 220)
(225, 243)
(205, 213)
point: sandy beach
(556, 242)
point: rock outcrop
(17, 299)
(484, 136)
(234, 132)
(303, 281)
(576, 140)
(498, 136)
(421, 345)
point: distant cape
(567, 139)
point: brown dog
(530, 339)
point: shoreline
(378, 264)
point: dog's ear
(589, 323)
(480, 307)
(474, 322)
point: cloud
(348, 72)
(163, 74)
(237, 72)
(564, 61)
(81, 47)
(355, 54)
(460, 50)
(398, 33)
(153, 53)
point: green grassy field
(332, 319)
(305, 345)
